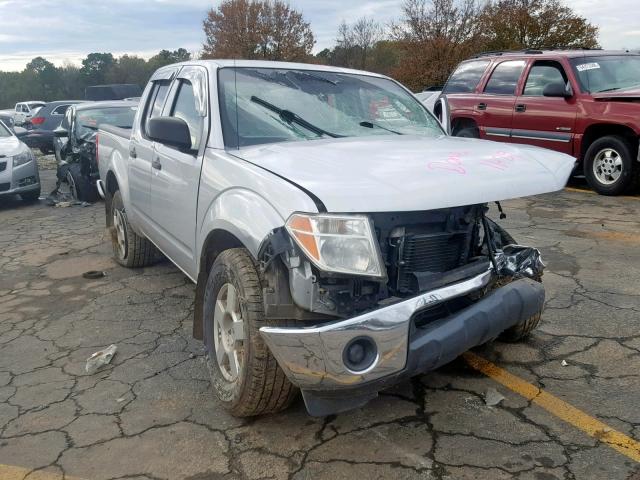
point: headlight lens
(337, 243)
(22, 158)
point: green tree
(516, 24)
(95, 67)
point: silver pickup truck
(338, 238)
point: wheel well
(217, 242)
(593, 132)
(112, 183)
(460, 123)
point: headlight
(337, 243)
(22, 158)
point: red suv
(585, 103)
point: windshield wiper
(375, 125)
(608, 90)
(290, 117)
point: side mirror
(170, 131)
(61, 132)
(443, 113)
(557, 89)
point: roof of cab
(104, 104)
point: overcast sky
(66, 30)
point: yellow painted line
(10, 472)
(561, 409)
(584, 190)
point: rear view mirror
(61, 132)
(557, 89)
(170, 131)
(442, 112)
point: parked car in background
(18, 167)
(6, 117)
(76, 142)
(24, 111)
(585, 103)
(336, 234)
(429, 97)
(117, 91)
(44, 123)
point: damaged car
(75, 143)
(339, 239)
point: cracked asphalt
(151, 413)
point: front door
(494, 109)
(547, 122)
(176, 174)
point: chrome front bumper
(312, 357)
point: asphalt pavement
(570, 406)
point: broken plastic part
(100, 358)
(493, 397)
(520, 261)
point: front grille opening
(427, 316)
(430, 253)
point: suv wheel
(608, 165)
(467, 132)
(245, 376)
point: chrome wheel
(72, 186)
(228, 332)
(121, 235)
(607, 166)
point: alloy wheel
(607, 166)
(228, 332)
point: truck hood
(405, 173)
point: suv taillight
(37, 120)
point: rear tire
(82, 189)
(522, 330)
(129, 249)
(609, 165)
(245, 376)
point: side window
(504, 78)
(466, 77)
(543, 73)
(60, 110)
(155, 102)
(184, 107)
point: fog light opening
(360, 354)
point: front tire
(467, 132)
(245, 376)
(608, 165)
(81, 187)
(129, 249)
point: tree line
(419, 49)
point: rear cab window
(505, 77)
(466, 77)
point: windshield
(88, 121)
(265, 105)
(607, 73)
(4, 131)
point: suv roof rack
(529, 51)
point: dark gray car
(44, 123)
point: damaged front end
(451, 279)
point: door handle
(132, 152)
(482, 106)
(156, 164)
(521, 107)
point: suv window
(504, 78)
(60, 110)
(185, 108)
(466, 77)
(543, 73)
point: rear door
(494, 109)
(141, 150)
(176, 174)
(544, 121)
